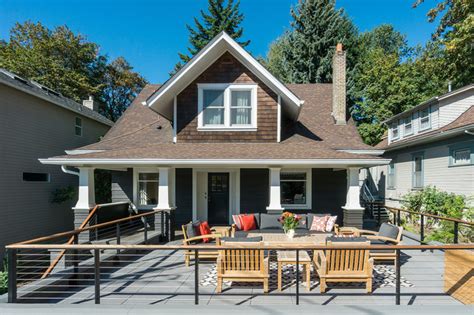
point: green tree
(304, 53)
(456, 32)
(223, 16)
(121, 86)
(71, 65)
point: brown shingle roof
(465, 119)
(142, 133)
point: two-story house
(431, 144)
(223, 136)
(36, 121)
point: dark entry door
(218, 198)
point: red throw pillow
(248, 222)
(204, 229)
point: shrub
(4, 278)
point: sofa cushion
(269, 221)
(379, 242)
(389, 230)
(242, 239)
(310, 217)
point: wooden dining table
(298, 239)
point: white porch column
(353, 212)
(163, 189)
(275, 191)
(164, 221)
(86, 199)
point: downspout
(65, 170)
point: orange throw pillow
(248, 222)
(204, 229)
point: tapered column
(86, 199)
(353, 212)
(275, 191)
(165, 220)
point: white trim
(279, 119)
(175, 119)
(308, 204)
(194, 188)
(275, 189)
(228, 88)
(364, 152)
(79, 151)
(420, 129)
(235, 49)
(237, 192)
(136, 171)
(309, 162)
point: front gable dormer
(224, 94)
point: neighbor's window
(461, 157)
(227, 106)
(395, 131)
(407, 126)
(78, 127)
(425, 121)
(147, 189)
(391, 175)
(35, 177)
(418, 171)
(293, 187)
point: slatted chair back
(347, 260)
(241, 259)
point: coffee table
(285, 257)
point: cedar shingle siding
(227, 70)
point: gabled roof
(162, 100)
(47, 94)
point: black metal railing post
(456, 232)
(145, 233)
(196, 277)
(378, 215)
(422, 229)
(399, 218)
(162, 223)
(97, 276)
(75, 256)
(297, 277)
(96, 230)
(398, 277)
(12, 272)
(117, 235)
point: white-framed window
(146, 182)
(461, 157)
(78, 126)
(395, 131)
(391, 176)
(295, 189)
(227, 107)
(425, 119)
(408, 126)
(418, 170)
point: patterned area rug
(384, 276)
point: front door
(218, 198)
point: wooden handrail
(69, 242)
(393, 209)
(77, 231)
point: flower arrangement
(289, 221)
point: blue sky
(149, 34)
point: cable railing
(150, 273)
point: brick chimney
(91, 104)
(339, 85)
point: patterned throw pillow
(319, 224)
(330, 223)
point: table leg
(308, 276)
(279, 276)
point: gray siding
(254, 190)
(122, 186)
(184, 196)
(31, 128)
(329, 191)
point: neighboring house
(224, 136)
(431, 144)
(35, 122)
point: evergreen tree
(222, 16)
(304, 53)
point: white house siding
(437, 172)
(452, 107)
(31, 128)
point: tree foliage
(222, 16)
(68, 63)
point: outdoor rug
(384, 276)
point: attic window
(227, 107)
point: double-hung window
(78, 127)
(227, 107)
(391, 176)
(146, 189)
(395, 131)
(407, 126)
(461, 157)
(418, 169)
(295, 189)
(425, 120)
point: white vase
(290, 234)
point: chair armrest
(361, 232)
(319, 258)
(382, 238)
(370, 266)
(233, 228)
(216, 236)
